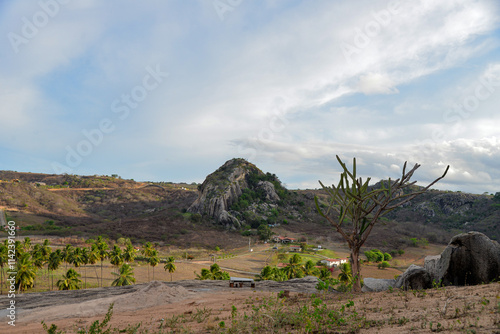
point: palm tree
(45, 253)
(147, 251)
(102, 251)
(345, 275)
(76, 258)
(19, 250)
(92, 258)
(214, 273)
(324, 274)
(85, 253)
(267, 273)
(4, 259)
(125, 276)
(115, 256)
(129, 254)
(170, 266)
(153, 261)
(55, 259)
(294, 268)
(37, 260)
(66, 254)
(310, 268)
(27, 244)
(26, 272)
(70, 281)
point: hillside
(234, 200)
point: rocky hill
(236, 192)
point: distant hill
(233, 201)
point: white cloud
(229, 81)
(376, 83)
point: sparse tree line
(33, 258)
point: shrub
(383, 265)
(387, 257)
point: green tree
(387, 257)
(26, 272)
(102, 251)
(66, 254)
(310, 269)
(147, 250)
(116, 256)
(55, 259)
(353, 208)
(129, 254)
(383, 265)
(325, 274)
(345, 275)
(70, 281)
(93, 257)
(272, 273)
(294, 269)
(265, 233)
(153, 261)
(215, 273)
(77, 257)
(27, 244)
(125, 276)
(4, 260)
(45, 252)
(37, 260)
(170, 266)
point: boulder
(376, 284)
(229, 221)
(269, 190)
(414, 278)
(469, 259)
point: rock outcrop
(269, 191)
(220, 195)
(469, 259)
(222, 188)
(377, 284)
(414, 278)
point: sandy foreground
(455, 309)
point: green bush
(383, 265)
(387, 257)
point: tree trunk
(355, 269)
(101, 273)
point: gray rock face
(228, 220)
(414, 278)
(269, 190)
(454, 203)
(221, 189)
(377, 285)
(469, 259)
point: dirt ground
(201, 305)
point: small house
(334, 262)
(284, 240)
(295, 248)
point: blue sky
(170, 90)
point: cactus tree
(353, 201)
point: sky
(168, 90)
